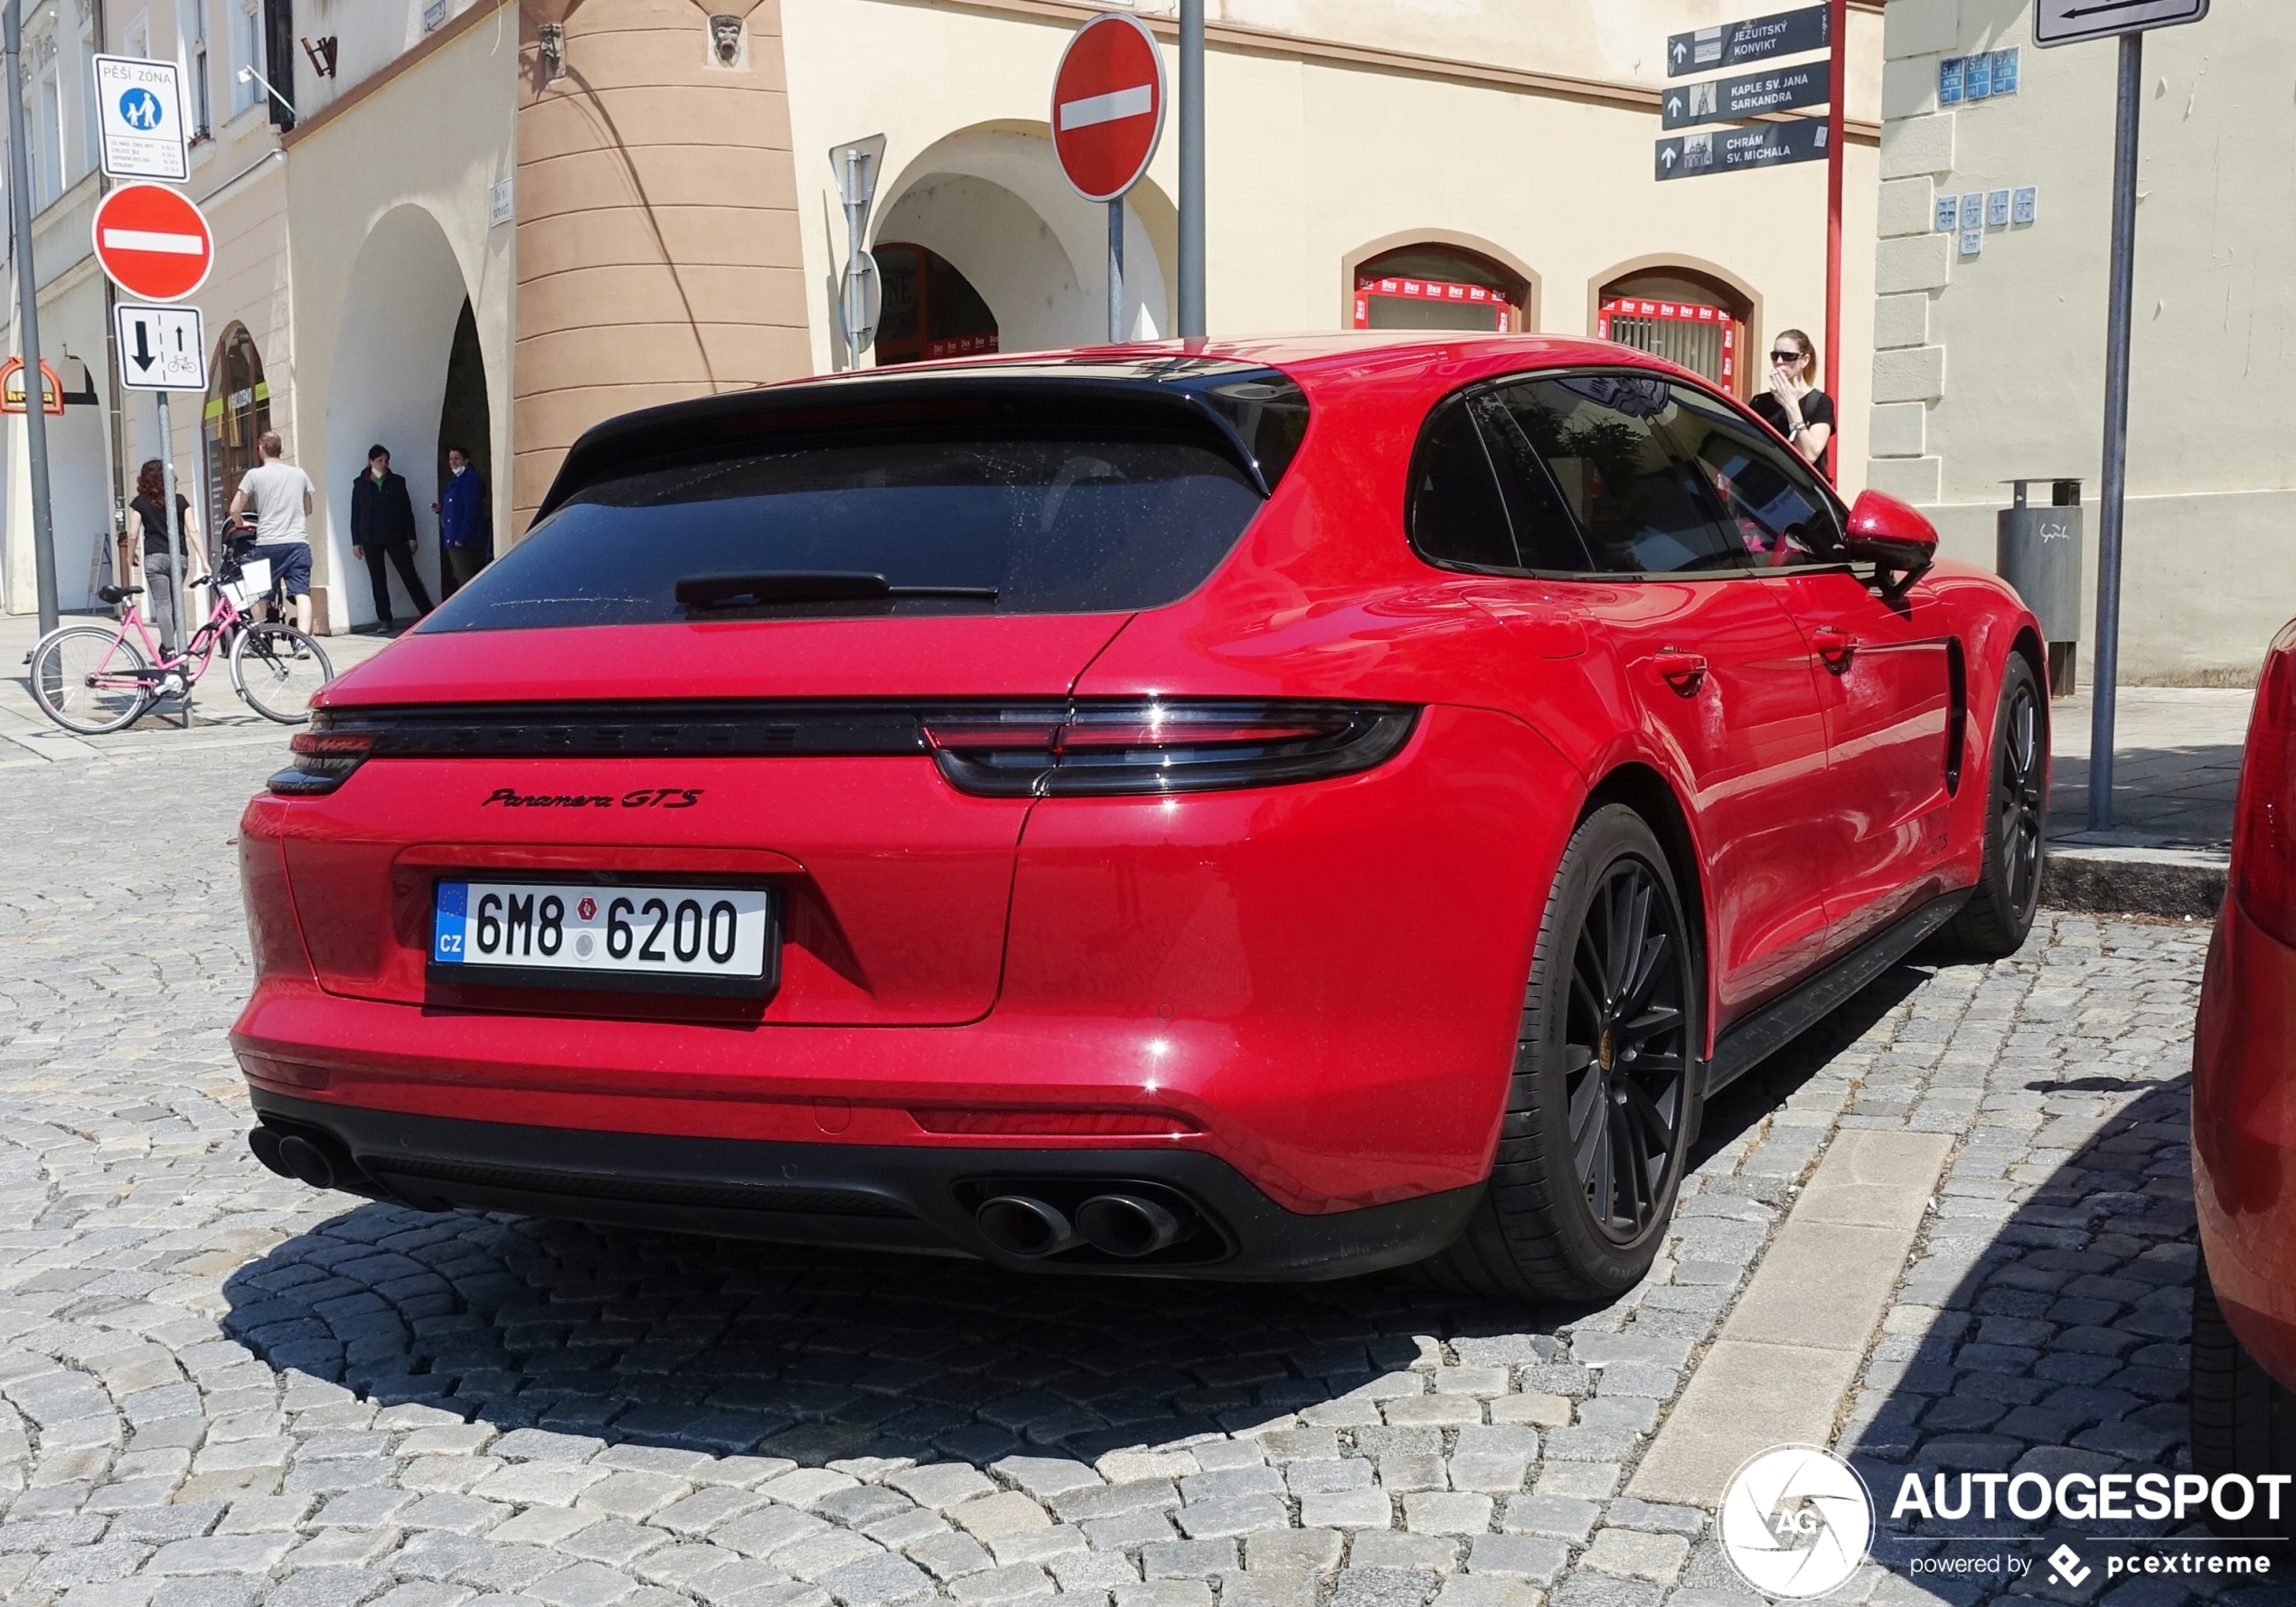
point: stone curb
(2155, 882)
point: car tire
(1994, 922)
(1603, 1100)
(2243, 1420)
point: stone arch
(991, 200)
(1724, 287)
(389, 381)
(1532, 284)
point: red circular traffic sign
(1107, 105)
(154, 243)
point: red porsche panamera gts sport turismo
(1269, 809)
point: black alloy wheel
(1602, 1103)
(1993, 924)
(2018, 802)
(1627, 1063)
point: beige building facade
(1990, 363)
(503, 220)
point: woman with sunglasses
(1793, 406)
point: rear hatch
(718, 659)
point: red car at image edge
(1255, 809)
(2244, 1117)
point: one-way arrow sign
(1757, 39)
(1739, 150)
(2069, 22)
(1749, 95)
(160, 348)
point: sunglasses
(1788, 357)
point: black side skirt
(1782, 1021)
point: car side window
(1544, 532)
(1456, 515)
(1604, 438)
(1770, 500)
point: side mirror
(1891, 534)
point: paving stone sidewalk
(218, 1389)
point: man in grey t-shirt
(280, 494)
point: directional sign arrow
(144, 358)
(1681, 51)
(1673, 106)
(1668, 158)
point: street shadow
(2060, 1346)
(822, 1355)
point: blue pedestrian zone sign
(140, 108)
(140, 116)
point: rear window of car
(1031, 515)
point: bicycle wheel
(84, 678)
(279, 671)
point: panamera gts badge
(645, 797)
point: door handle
(1835, 645)
(1684, 671)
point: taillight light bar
(2263, 833)
(1043, 749)
(1152, 746)
(324, 758)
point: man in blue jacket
(466, 524)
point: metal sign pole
(1116, 270)
(1191, 170)
(181, 545)
(2123, 294)
(43, 530)
(851, 312)
(1837, 119)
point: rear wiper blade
(810, 585)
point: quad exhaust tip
(1124, 1226)
(291, 1155)
(1023, 1224)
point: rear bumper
(866, 1195)
(2244, 1136)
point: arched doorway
(931, 310)
(990, 201)
(1684, 315)
(1434, 285)
(390, 385)
(466, 418)
(238, 412)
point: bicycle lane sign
(160, 348)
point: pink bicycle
(92, 679)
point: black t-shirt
(158, 539)
(1817, 408)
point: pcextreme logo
(1796, 1521)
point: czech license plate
(577, 934)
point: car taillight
(1153, 746)
(324, 758)
(2264, 842)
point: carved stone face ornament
(724, 38)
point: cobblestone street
(218, 1389)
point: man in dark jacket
(382, 520)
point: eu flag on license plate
(447, 927)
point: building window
(83, 83)
(238, 412)
(247, 53)
(48, 127)
(191, 56)
(931, 310)
(1438, 288)
(1688, 318)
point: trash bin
(2038, 551)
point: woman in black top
(151, 545)
(1793, 406)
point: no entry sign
(153, 242)
(1107, 105)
